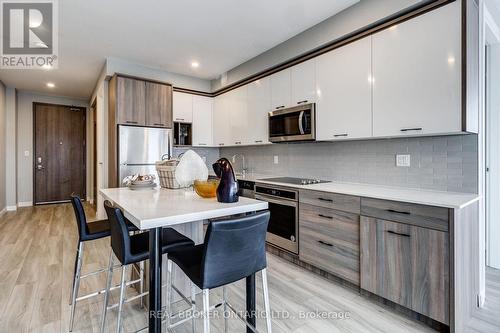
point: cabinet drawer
(329, 239)
(419, 215)
(342, 202)
(406, 264)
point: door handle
(325, 243)
(39, 167)
(398, 212)
(397, 233)
(326, 216)
(301, 117)
(302, 102)
(411, 129)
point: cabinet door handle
(279, 107)
(325, 243)
(131, 122)
(397, 233)
(398, 212)
(221, 144)
(179, 119)
(302, 102)
(158, 124)
(327, 200)
(326, 216)
(237, 142)
(338, 135)
(202, 144)
(411, 129)
(258, 141)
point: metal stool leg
(141, 283)
(206, 310)
(76, 284)
(266, 300)
(193, 306)
(224, 299)
(120, 304)
(109, 280)
(169, 292)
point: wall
(3, 155)
(447, 163)
(353, 18)
(11, 147)
(25, 102)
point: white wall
(11, 147)
(493, 155)
(3, 156)
(25, 102)
(102, 144)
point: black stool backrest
(120, 238)
(234, 249)
(81, 219)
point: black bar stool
(130, 250)
(233, 250)
(88, 232)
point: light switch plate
(276, 159)
(403, 160)
(26, 153)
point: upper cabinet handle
(338, 135)
(258, 141)
(158, 124)
(202, 144)
(411, 129)
(279, 107)
(131, 122)
(302, 102)
(398, 212)
(182, 119)
(237, 143)
(325, 243)
(326, 216)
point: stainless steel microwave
(296, 123)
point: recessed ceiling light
(195, 64)
(50, 85)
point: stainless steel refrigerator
(140, 147)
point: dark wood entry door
(59, 159)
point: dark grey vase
(227, 191)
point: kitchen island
(153, 209)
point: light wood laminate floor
(37, 249)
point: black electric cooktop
(295, 181)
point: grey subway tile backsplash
(445, 163)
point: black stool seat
(233, 249)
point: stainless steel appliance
(293, 124)
(247, 188)
(140, 147)
(283, 228)
(296, 181)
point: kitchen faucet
(243, 168)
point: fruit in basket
(206, 188)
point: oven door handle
(301, 119)
(275, 201)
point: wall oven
(292, 124)
(284, 221)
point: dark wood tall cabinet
(137, 102)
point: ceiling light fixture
(50, 85)
(195, 64)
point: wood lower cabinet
(329, 239)
(158, 105)
(406, 264)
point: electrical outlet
(403, 160)
(204, 158)
(26, 153)
(276, 159)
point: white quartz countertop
(452, 200)
(163, 207)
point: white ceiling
(219, 34)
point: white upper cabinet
(221, 124)
(202, 121)
(303, 82)
(182, 107)
(343, 107)
(238, 117)
(281, 90)
(417, 75)
(258, 106)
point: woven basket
(166, 173)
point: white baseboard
(25, 204)
(11, 208)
